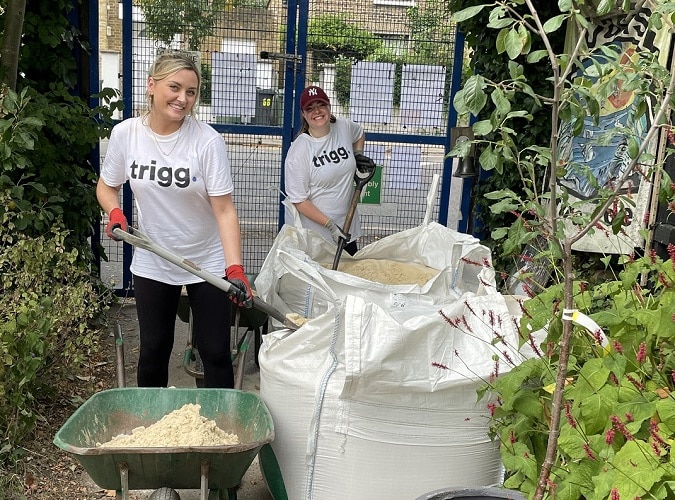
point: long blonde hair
(169, 63)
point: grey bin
(264, 106)
(472, 494)
(278, 105)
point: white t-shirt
(321, 170)
(171, 193)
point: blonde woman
(179, 172)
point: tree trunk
(11, 42)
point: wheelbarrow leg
(124, 480)
(241, 360)
(204, 494)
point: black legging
(157, 305)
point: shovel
(138, 239)
(360, 184)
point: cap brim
(312, 101)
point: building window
(396, 43)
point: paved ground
(253, 486)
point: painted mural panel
(598, 157)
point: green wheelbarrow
(215, 470)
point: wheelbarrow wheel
(165, 494)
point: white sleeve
(355, 130)
(296, 173)
(113, 171)
(216, 168)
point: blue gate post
(297, 19)
(127, 96)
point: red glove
(116, 219)
(240, 293)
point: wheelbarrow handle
(138, 239)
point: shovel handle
(138, 239)
(360, 184)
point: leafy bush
(49, 299)
(49, 309)
(616, 438)
(488, 62)
(330, 36)
(46, 139)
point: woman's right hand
(116, 219)
(336, 231)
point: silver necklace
(154, 136)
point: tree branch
(11, 41)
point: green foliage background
(486, 61)
(52, 302)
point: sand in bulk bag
(459, 258)
(386, 409)
(379, 403)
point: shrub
(618, 403)
(50, 307)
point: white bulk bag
(463, 265)
(380, 406)
(375, 397)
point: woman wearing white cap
(320, 168)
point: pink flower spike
(642, 353)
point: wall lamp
(466, 153)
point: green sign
(370, 194)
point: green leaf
(500, 43)
(467, 13)
(605, 7)
(536, 56)
(554, 23)
(571, 441)
(592, 376)
(517, 457)
(516, 71)
(459, 103)
(500, 101)
(474, 94)
(502, 193)
(633, 147)
(666, 410)
(637, 469)
(489, 160)
(565, 5)
(513, 44)
(596, 408)
(499, 19)
(503, 206)
(527, 403)
(499, 233)
(482, 127)
(499, 23)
